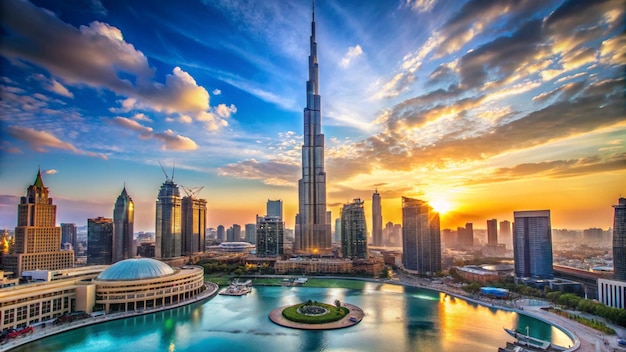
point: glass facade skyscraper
(275, 208)
(532, 244)
(193, 226)
(99, 241)
(619, 240)
(377, 220)
(168, 221)
(123, 226)
(353, 231)
(421, 237)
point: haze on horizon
(490, 106)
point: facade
(37, 239)
(532, 244)
(275, 208)
(100, 241)
(612, 293)
(269, 236)
(619, 240)
(492, 232)
(312, 232)
(421, 238)
(250, 234)
(505, 233)
(353, 230)
(123, 226)
(193, 227)
(377, 220)
(168, 221)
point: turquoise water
(396, 318)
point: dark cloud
(564, 92)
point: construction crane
(192, 191)
(167, 178)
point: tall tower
(377, 220)
(619, 240)
(532, 244)
(353, 230)
(270, 231)
(193, 213)
(505, 233)
(275, 208)
(168, 233)
(492, 232)
(37, 239)
(312, 230)
(100, 241)
(421, 237)
(123, 226)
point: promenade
(52, 329)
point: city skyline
(488, 107)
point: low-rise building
(612, 293)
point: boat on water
(237, 288)
(531, 344)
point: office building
(312, 233)
(619, 240)
(221, 233)
(377, 220)
(193, 226)
(275, 208)
(68, 235)
(269, 236)
(353, 230)
(492, 232)
(612, 293)
(100, 241)
(37, 239)
(250, 233)
(465, 236)
(168, 221)
(421, 238)
(337, 234)
(505, 234)
(532, 244)
(124, 246)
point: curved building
(145, 283)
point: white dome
(135, 269)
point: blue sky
(486, 106)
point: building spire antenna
(313, 9)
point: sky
(480, 107)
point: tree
(338, 304)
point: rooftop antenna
(313, 9)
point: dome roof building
(135, 269)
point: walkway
(51, 329)
(276, 316)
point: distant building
(250, 233)
(168, 221)
(353, 230)
(269, 236)
(612, 293)
(193, 226)
(221, 233)
(275, 208)
(505, 234)
(233, 234)
(619, 240)
(123, 225)
(68, 235)
(492, 232)
(337, 235)
(465, 236)
(37, 238)
(377, 220)
(100, 241)
(421, 238)
(532, 244)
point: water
(396, 318)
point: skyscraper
(123, 225)
(100, 241)
(532, 244)
(465, 236)
(221, 233)
(251, 233)
(275, 208)
(269, 236)
(377, 220)
(337, 235)
(68, 235)
(353, 230)
(37, 239)
(492, 232)
(312, 230)
(421, 238)
(168, 221)
(505, 233)
(193, 226)
(619, 240)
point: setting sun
(441, 206)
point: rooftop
(135, 269)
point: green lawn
(291, 313)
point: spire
(38, 180)
(313, 9)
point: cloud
(217, 91)
(144, 132)
(141, 117)
(271, 172)
(353, 53)
(50, 172)
(421, 5)
(58, 88)
(170, 140)
(41, 140)
(224, 111)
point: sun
(441, 206)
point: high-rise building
(532, 244)
(492, 232)
(619, 240)
(312, 235)
(505, 234)
(168, 221)
(100, 241)
(337, 235)
(269, 236)
(123, 225)
(68, 235)
(353, 230)
(233, 234)
(37, 238)
(377, 220)
(250, 234)
(193, 226)
(465, 236)
(421, 238)
(221, 233)
(275, 208)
